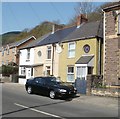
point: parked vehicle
(49, 86)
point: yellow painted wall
(64, 61)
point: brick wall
(111, 50)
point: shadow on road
(48, 104)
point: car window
(39, 80)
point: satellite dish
(58, 48)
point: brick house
(10, 52)
(112, 44)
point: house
(42, 57)
(82, 52)
(10, 52)
(112, 44)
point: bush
(6, 70)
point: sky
(16, 16)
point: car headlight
(75, 89)
(63, 90)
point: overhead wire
(57, 11)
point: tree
(89, 9)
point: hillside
(9, 37)
(38, 31)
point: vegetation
(6, 70)
(93, 14)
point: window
(23, 71)
(31, 71)
(70, 73)
(2, 51)
(7, 61)
(48, 70)
(2, 62)
(119, 24)
(13, 50)
(71, 50)
(28, 54)
(7, 50)
(49, 52)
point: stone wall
(111, 69)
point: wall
(111, 49)
(65, 61)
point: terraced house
(65, 53)
(10, 53)
(42, 57)
(82, 52)
(112, 44)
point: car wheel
(29, 90)
(52, 94)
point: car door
(40, 85)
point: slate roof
(20, 41)
(36, 42)
(50, 38)
(84, 59)
(86, 30)
(58, 36)
(11, 45)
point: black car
(49, 86)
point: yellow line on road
(35, 110)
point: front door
(80, 82)
(81, 72)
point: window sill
(27, 60)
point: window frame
(70, 73)
(118, 24)
(49, 51)
(28, 54)
(71, 50)
(23, 69)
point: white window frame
(7, 50)
(70, 73)
(28, 54)
(48, 69)
(49, 50)
(2, 51)
(71, 50)
(23, 71)
(118, 23)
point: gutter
(103, 46)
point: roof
(86, 30)
(112, 5)
(84, 59)
(36, 42)
(18, 43)
(58, 36)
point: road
(17, 103)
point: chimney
(53, 29)
(81, 19)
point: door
(82, 72)
(80, 82)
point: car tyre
(52, 94)
(29, 90)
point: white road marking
(35, 110)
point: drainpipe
(52, 59)
(103, 46)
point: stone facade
(112, 49)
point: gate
(81, 85)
